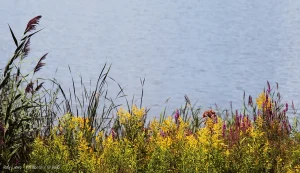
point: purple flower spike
(286, 107)
(224, 129)
(176, 115)
(224, 126)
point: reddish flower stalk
(269, 87)
(210, 114)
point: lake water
(211, 50)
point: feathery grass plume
(39, 86)
(40, 64)
(32, 24)
(26, 49)
(29, 87)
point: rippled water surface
(211, 50)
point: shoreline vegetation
(38, 133)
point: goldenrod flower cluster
(169, 145)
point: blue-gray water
(211, 50)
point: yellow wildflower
(192, 141)
(154, 125)
(138, 112)
(259, 121)
(203, 135)
(168, 124)
(262, 100)
(209, 123)
(123, 115)
(164, 143)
